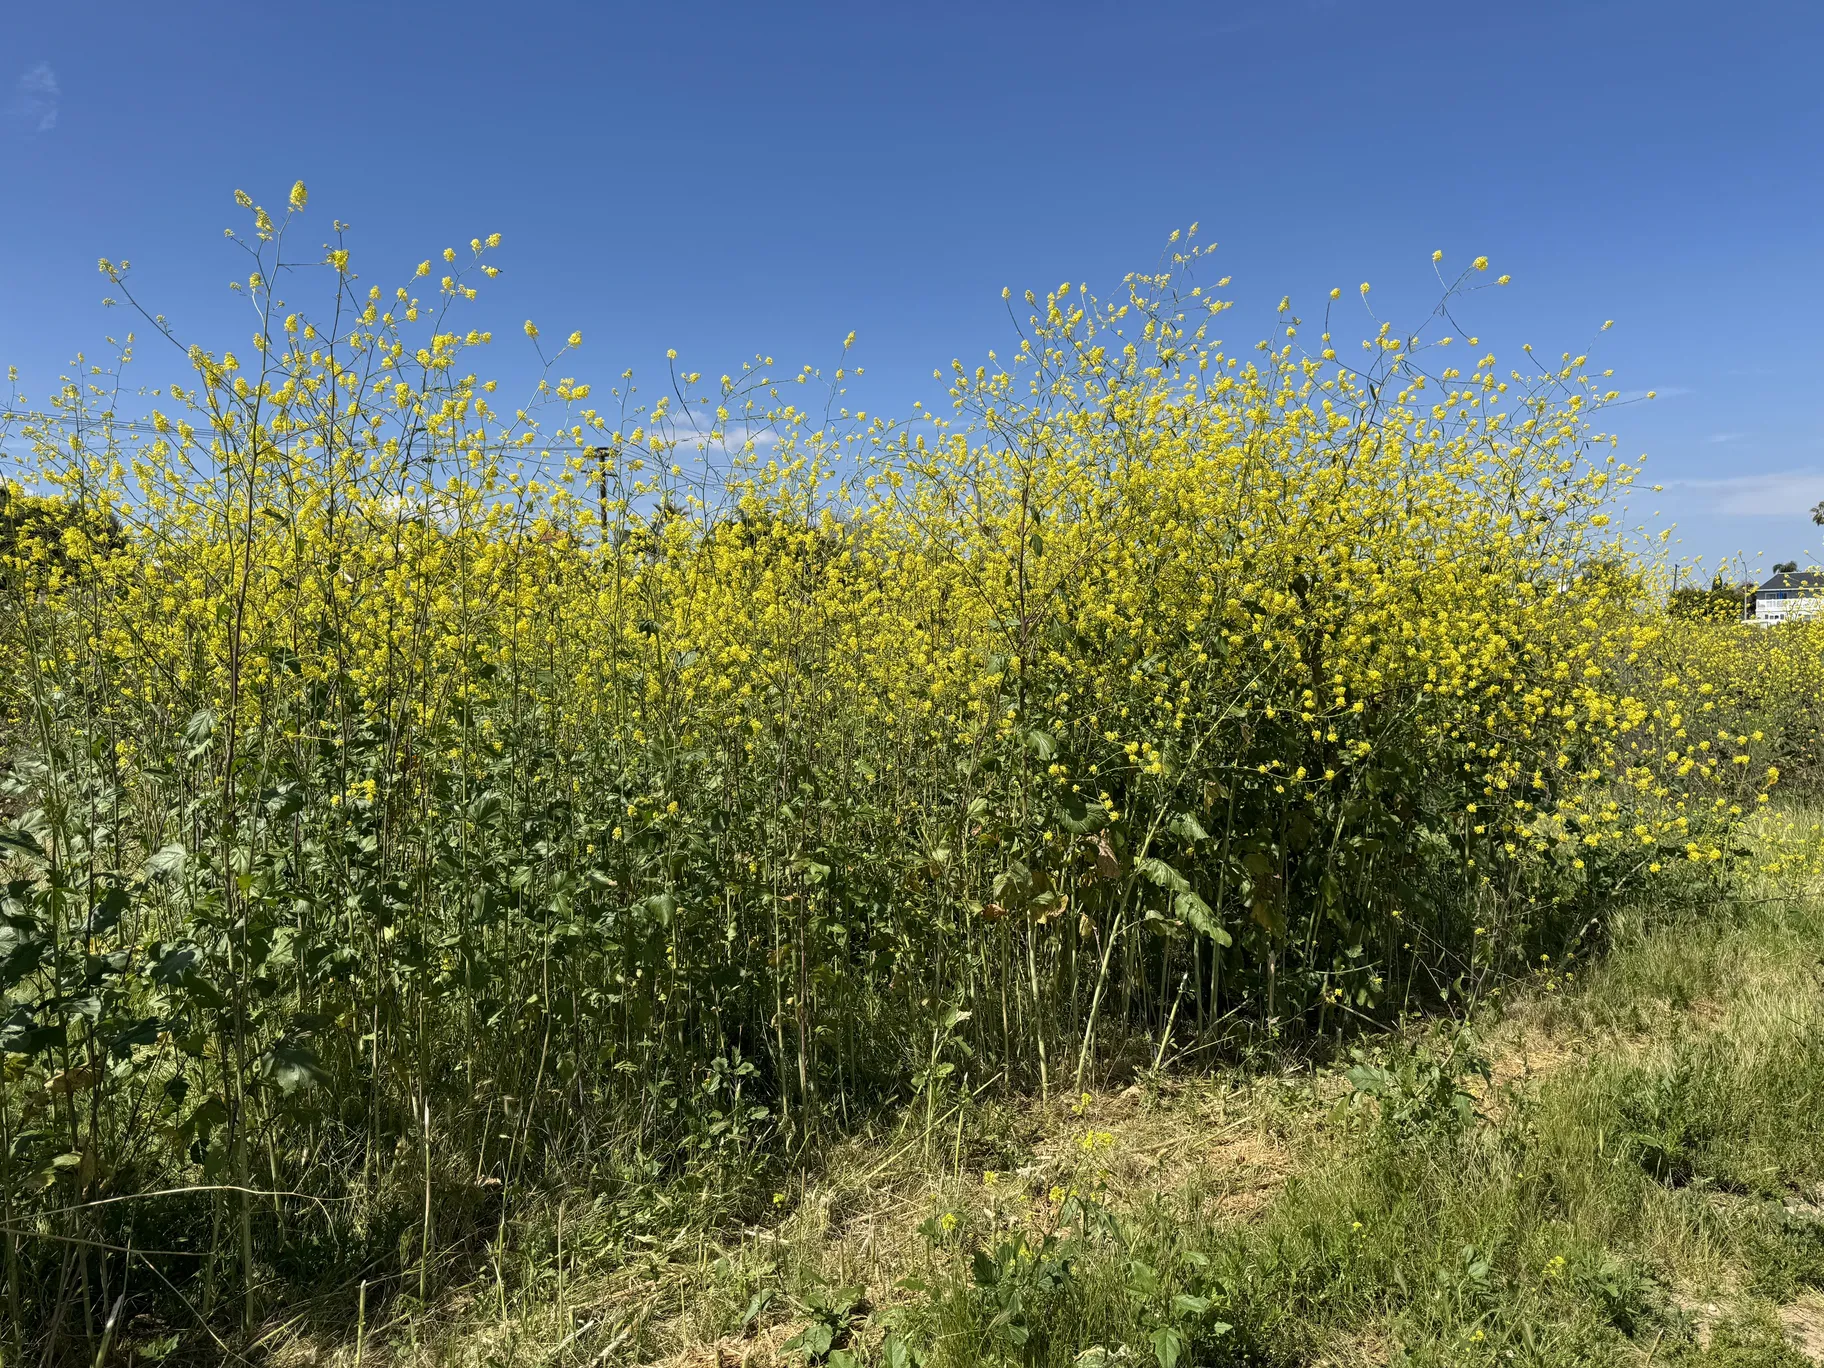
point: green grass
(1671, 1162)
(1643, 1193)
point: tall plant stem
(1095, 998)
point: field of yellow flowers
(417, 798)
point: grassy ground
(1623, 1165)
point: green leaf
(139, 1033)
(1168, 1346)
(108, 910)
(756, 1304)
(1163, 874)
(1187, 828)
(815, 1339)
(1365, 1078)
(199, 731)
(20, 1034)
(20, 954)
(1270, 917)
(1079, 817)
(1201, 917)
(17, 843)
(166, 863)
(175, 963)
(290, 1066)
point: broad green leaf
(166, 863)
(1187, 828)
(1201, 918)
(17, 842)
(1163, 874)
(290, 1066)
(1079, 817)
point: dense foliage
(1720, 601)
(419, 799)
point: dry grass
(1223, 1145)
(1232, 1141)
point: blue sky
(728, 179)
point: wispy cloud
(1780, 494)
(1719, 438)
(36, 98)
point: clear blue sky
(725, 179)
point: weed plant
(423, 804)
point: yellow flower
(991, 674)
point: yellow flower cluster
(1150, 665)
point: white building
(1789, 594)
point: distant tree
(1785, 567)
(38, 532)
(1720, 601)
(1817, 513)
